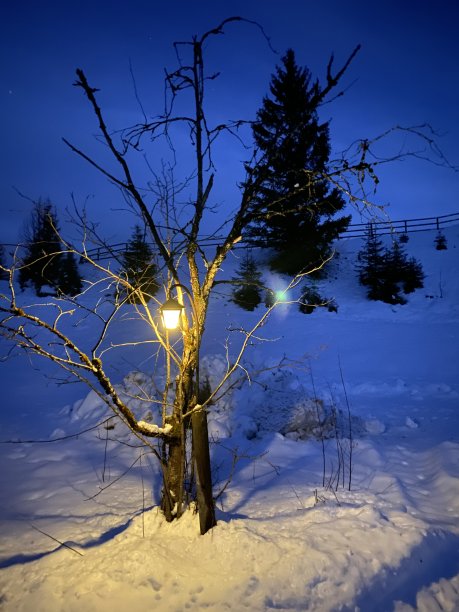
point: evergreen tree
(294, 208)
(387, 273)
(440, 242)
(394, 273)
(42, 260)
(140, 267)
(70, 282)
(371, 266)
(406, 274)
(414, 276)
(247, 294)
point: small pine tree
(247, 294)
(414, 276)
(394, 273)
(406, 274)
(70, 282)
(440, 242)
(388, 273)
(371, 264)
(41, 263)
(140, 267)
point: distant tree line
(387, 273)
(48, 269)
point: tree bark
(201, 457)
(172, 496)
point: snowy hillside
(80, 530)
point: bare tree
(189, 274)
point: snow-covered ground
(77, 537)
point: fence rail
(403, 226)
(354, 230)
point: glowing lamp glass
(170, 312)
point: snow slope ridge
(80, 529)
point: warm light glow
(170, 311)
(171, 319)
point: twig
(58, 541)
(351, 444)
(319, 422)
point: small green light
(281, 296)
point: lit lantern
(170, 312)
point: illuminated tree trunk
(174, 473)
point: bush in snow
(311, 299)
(280, 403)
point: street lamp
(170, 312)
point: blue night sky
(406, 73)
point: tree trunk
(201, 458)
(173, 476)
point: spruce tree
(140, 267)
(294, 208)
(440, 242)
(414, 276)
(406, 274)
(388, 273)
(42, 260)
(247, 292)
(394, 272)
(371, 265)
(70, 282)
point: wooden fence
(354, 230)
(404, 226)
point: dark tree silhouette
(404, 273)
(311, 299)
(387, 273)
(42, 259)
(372, 262)
(69, 280)
(248, 286)
(295, 214)
(140, 268)
(441, 243)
